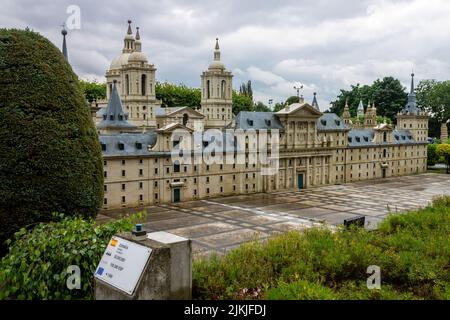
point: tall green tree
(246, 89)
(434, 97)
(278, 106)
(388, 95)
(242, 102)
(173, 95)
(291, 100)
(261, 107)
(51, 158)
(93, 91)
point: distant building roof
(257, 120)
(364, 137)
(331, 122)
(128, 144)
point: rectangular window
(156, 196)
(105, 201)
(123, 199)
(141, 172)
(105, 174)
(123, 186)
(155, 184)
(123, 162)
(156, 170)
(141, 185)
(123, 173)
(105, 188)
(141, 197)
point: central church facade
(315, 148)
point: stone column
(286, 166)
(444, 132)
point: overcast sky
(324, 45)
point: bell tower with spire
(136, 80)
(412, 118)
(216, 95)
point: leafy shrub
(35, 267)
(50, 153)
(411, 249)
(301, 290)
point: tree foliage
(432, 157)
(37, 262)
(443, 150)
(388, 94)
(246, 89)
(172, 95)
(434, 97)
(93, 91)
(242, 102)
(51, 156)
(261, 107)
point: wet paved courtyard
(220, 224)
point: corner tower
(217, 87)
(412, 118)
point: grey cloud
(327, 45)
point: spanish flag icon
(114, 242)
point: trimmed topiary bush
(50, 153)
(37, 262)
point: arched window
(143, 84)
(208, 89)
(384, 136)
(110, 89)
(185, 119)
(222, 89)
(127, 84)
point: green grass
(411, 249)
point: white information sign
(122, 264)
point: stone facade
(314, 149)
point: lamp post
(298, 91)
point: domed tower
(216, 96)
(136, 81)
(346, 114)
(412, 118)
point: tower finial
(412, 82)
(217, 51)
(138, 36)
(64, 46)
(129, 27)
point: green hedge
(50, 153)
(411, 249)
(36, 265)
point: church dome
(216, 65)
(119, 61)
(137, 57)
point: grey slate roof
(130, 143)
(114, 116)
(364, 137)
(331, 122)
(361, 137)
(257, 120)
